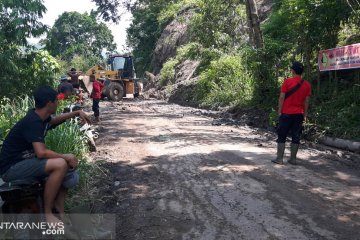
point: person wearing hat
(65, 84)
(293, 109)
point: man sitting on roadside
(24, 155)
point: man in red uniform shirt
(96, 96)
(293, 108)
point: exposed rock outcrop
(186, 70)
(177, 34)
(174, 35)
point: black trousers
(290, 123)
(95, 107)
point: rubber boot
(280, 154)
(293, 151)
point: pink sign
(340, 58)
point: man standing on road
(293, 109)
(24, 155)
(96, 96)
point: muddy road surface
(174, 173)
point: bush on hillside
(225, 82)
(338, 116)
(167, 74)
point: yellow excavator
(118, 76)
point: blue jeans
(290, 123)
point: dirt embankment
(177, 173)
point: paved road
(179, 176)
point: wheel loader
(118, 76)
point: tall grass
(66, 138)
(11, 111)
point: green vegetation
(11, 111)
(233, 71)
(22, 68)
(145, 30)
(66, 138)
(168, 72)
(31, 69)
(337, 112)
(76, 40)
(225, 82)
(79, 40)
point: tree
(220, 23)
(108, 10)
(300, 28)
(255, 34)
(20, 20)
(79, 34)
(21, 69)
(145, 30)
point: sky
(56, 8)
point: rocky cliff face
(177, 34)
(174, 35)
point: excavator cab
(123, 64)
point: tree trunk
(318, 83)
(307, 62)
(255, 33)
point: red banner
(340, 58)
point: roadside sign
(346, 57)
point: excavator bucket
(87, 85)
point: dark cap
(65, 89)
(298, 67)
(63, 78)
